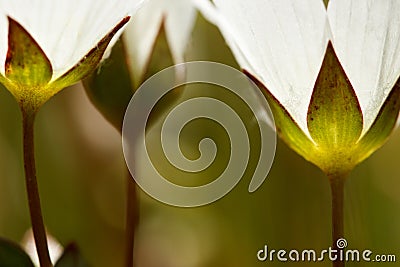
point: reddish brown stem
(132, 220)
(337, 189)
(39, 232)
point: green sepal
(26, 64)
(287, 129)
(3, 80)
(71, 257)
(334, 117)
(383, 125)
(28, 71)
(11, 255)
(89, 62)
(110, 88)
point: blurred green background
(81, 175)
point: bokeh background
(81, 175)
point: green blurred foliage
(12, 255)
(81, 175)
(109, 95)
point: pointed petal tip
(12, 20)
(121, 23)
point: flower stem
(132, 219)
(39, 232)
(337, 189)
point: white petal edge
(366, 38)
(66, 30)
(209, 12)
(280, 42)
(141, 33)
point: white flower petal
(281, 42)
(366, 37)
(66, 30)
(141, 33)
(179, 25)
(212, 15)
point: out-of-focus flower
(177, 17)
(154, 39)
(329, 73)
(48, 45)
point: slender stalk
(132, 219)
(39, 232)
(337, 189)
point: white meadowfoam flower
(66, 30)
(329, 73)
(366, 38)
(69, 37)
(155, 37)
(177, 16)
